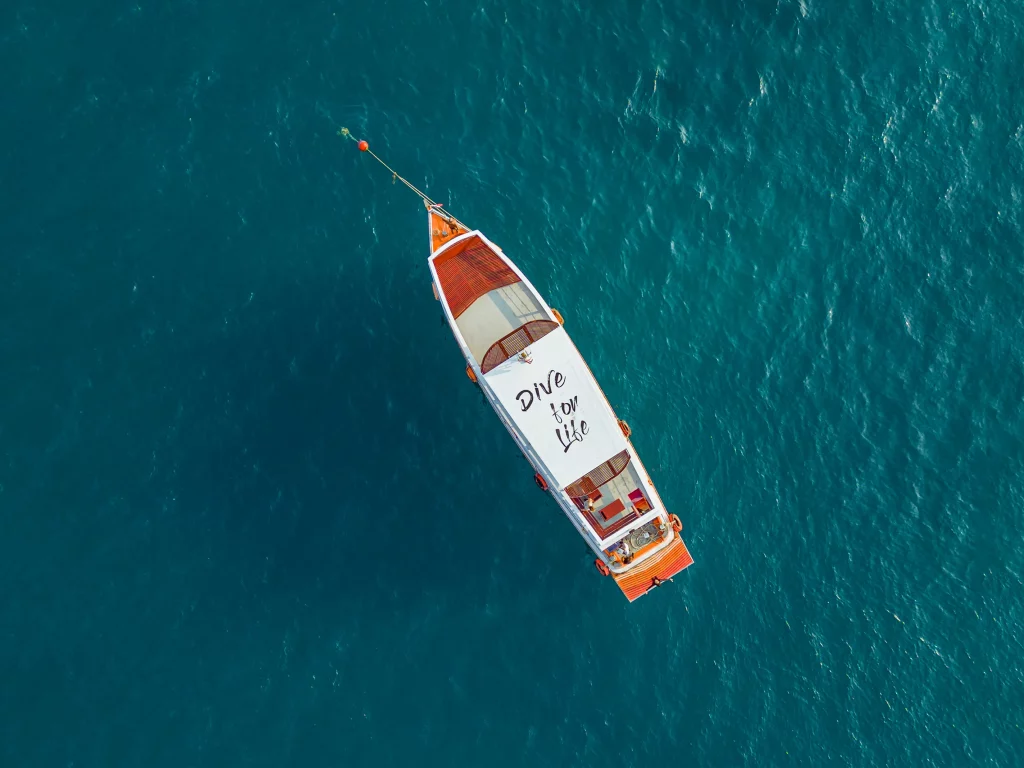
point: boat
(530, 372)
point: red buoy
(363, 146)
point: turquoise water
(254, 514)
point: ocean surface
(253, 514)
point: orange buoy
(558, 316)
(626, 431)
(602, 567)
(469, 374)
(364, 145)
(677, 525)
(540, 481)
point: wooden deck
(664, 565)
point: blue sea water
(252, 511)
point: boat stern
(655, 570)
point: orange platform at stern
(662, 566)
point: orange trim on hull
(664, 565)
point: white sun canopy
(558, 407)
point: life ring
(540, 481)
(626, 431)
(469, 374)
(602, 567)
(677, 525)
(558, 316)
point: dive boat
(519, 354)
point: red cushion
(611, 510)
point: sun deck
(487, 299)
(495, 315)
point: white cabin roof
(557, 406)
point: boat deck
(487, 299)
(663, 566)
(496, 314)
(614, 508)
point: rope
(395, 177)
